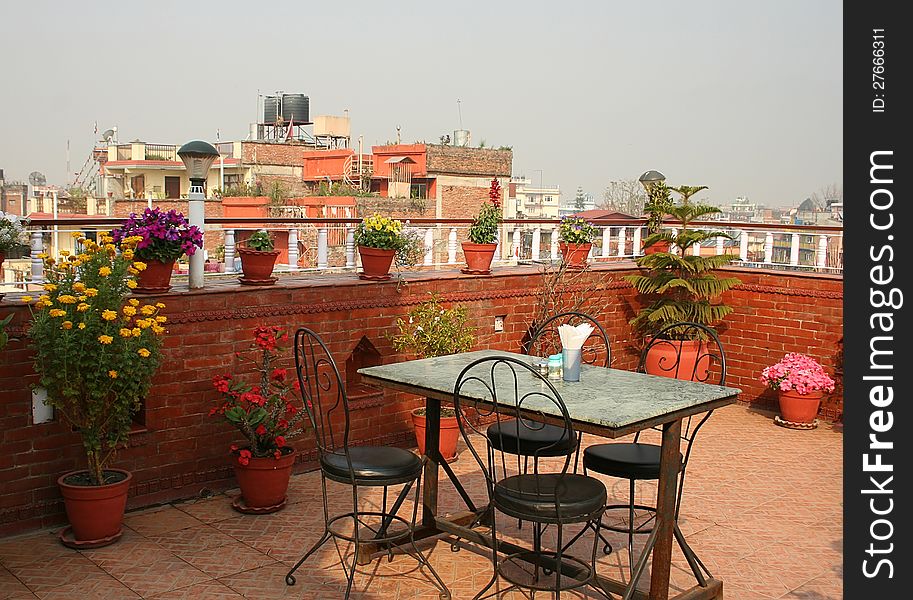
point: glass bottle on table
(554, 367)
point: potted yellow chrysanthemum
(380, 240)
(96, 350)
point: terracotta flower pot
(95, 512)
(663, 360)
(375, 262)
(799, 408)
(575, 255)
(263, 482)
(155, 278)
(257, 266)
(450, 434)
(478, 257)
(660, 246)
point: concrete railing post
(229, 258)
(553, 250)
(743, 245)
(293, 248)
(452, 246)
(322, 248)
(350, 248)
(769, 247)
(606, 242)
(794, 250)
(536, 245)
(429, 246)
(36, 245)
(821, 258)
(622, 239)
(638, 233)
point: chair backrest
(704, 360)
(544, 340)
(323, 391)
(504, 389)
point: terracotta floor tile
(192, 539)
(13, 589)
(149, 573)
(33, 547)
(45, 575)
(208, 590)
(159, 520)
(228, 559)
(209, 510)
(97, 586)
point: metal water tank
(461, 137)
(270, 109)
(295, 107)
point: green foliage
(12, 232)
(576, 230)
(243, 189)
(325, 188)
(677, 286)
(96, 350)
(261, 241)
(659, 202)
(386, 233)
(432, 330)
(484, 229)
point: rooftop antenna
(460, 113)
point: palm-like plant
(679, 286)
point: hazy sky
(745, 97)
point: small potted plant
(800, 382)
(258, 257)
(96, 352)
(380, 240)
(432, 330)
(12, 235)
(267, 416)
(576, 237)
(479, 251)
(163, 238)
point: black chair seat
(529, 437)
(532, 497)
(377, 465)
(631, 461)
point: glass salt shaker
(554, 367)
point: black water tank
(295, 107)
(270, 110)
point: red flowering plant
(266, 412)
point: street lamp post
(198, 157)
(650, 178)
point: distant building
(534, 202)
(13, 197)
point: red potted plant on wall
(432, 330)
(258, 257)
(479, 251)
(800, 382)
(96, 352)
(163, 237)
(268, 416)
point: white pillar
(719, 244)
(553, 250)
(322, 248)
(537, 242)
(743, 245)
(696, 248)
(638, 232)
(350, 248)
(36, 243)
(196, 203)
(622, 238)
(293, 248)
(821, 259)
(429, 246)
(606, 241)
(515, 247)
(452, 246)
(794, 249)
(229, 251)
(769, 247)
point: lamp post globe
(650, 178)
(198, 157)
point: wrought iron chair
(357, 466)
(496, 387)
(640, 461)
(531, 438)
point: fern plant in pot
(258, 256)
(680, 284)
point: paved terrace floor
(762, 508)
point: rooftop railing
(327, 244)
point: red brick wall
(183, 451)
(460, 160)
(263, 153)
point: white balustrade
(638, 232)
(229, 258)
(622, 240)
(769, 247)
(429, 246)
(553, 249)
(794, 250)
(452, 246)
(350, 248)
(293, 248)
(606, 242)
(322, 248)
(516, 245)
(537, 233)
(821, 258)
(36, 245)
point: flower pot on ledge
(257, 266)
(95, 512)
(375, 263)
(263, 482)
(478, 258)
(155, 278)
(575, 256)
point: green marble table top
(613, 400)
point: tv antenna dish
(37, 178)
(108, 135)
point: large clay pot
(375, 262)
(95, 512)
(663, 360)
(799, 408)
(660, 246)
(478, 257)
(155, 278)
(574, 255)
(257, 266)
(450, 434)
(263, 482)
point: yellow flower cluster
(378, 223)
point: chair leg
(290, 576)
(631, 527)
(419, 556)
(494, 559)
